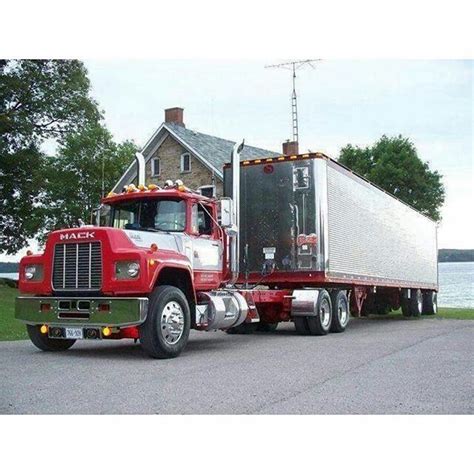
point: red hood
(115, 246)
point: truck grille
(77, 266)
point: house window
(155, 167)
(185, 163)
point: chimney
(174, 115)
(290, 148)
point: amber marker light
(152, 187)
(44, 329)
(111, 194)
(152, 263)
(141, 187)
(106, 331)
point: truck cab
(154, 250)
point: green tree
(39, 100)
(392, 163)
(87, 166)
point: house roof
(213, 152)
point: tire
(405, 305)
(301, 325)
(267, 327)
(382, 306)
(165, 332)
(340, 311)
(43, 342)
(244, 328)
(416, 303)
(320, 324)
(430, 302)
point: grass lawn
(11, 329)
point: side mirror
(227, 213)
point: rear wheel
(43, 342)
(165, 332)
(320, 324)
(301, 325)
(430, 302)
(340, 311)
(416, 303)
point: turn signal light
(106, 332)
(44, 329)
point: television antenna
(294, 66)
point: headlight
(127, 270)
(34, 272)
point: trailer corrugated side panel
(373, 236)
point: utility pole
(293, 66)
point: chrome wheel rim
(172, 322)
(325, 313)
(342, 313)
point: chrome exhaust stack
(140, 159)
(235, 240)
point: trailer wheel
(416, 303)
(405, 305)
(165, 332)
(43, 342)
(430, 302)
(320, 324)
(301, 325)
(340, 311)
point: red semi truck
(297, 238)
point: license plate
(73, 333)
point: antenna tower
(294, 66)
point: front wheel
(43, 342)
(165, 332)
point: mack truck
(296, 238)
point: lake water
(456, 284)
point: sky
(339, 102)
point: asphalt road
(376, 366)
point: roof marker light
(280, 158)
(141, 187)
(153, 187)
(111, 194)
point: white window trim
(153, 170)
(182, 162)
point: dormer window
(186, 163)
(155, 167)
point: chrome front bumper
(90, 312)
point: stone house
(176, 152)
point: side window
(155, 167)
(201, 220)
(185, 163)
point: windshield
(150, 214)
